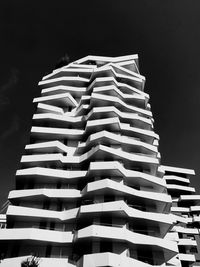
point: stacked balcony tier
(185, 208)
(90, 187)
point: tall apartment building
(90, 190)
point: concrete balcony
(96, 232)
(71, 81)
(39, 194)
(35, 215)
(56, 120)
(187, 242)
(109, 259)
(105, 60)
(100, 152)
(123, 86)
(184, 230)
(110, 91)
(63, 89)
(118, 208)
(130, 65)
(180, 188)
(50, 147)
(186, 257)
(114, 124)
(127, 117)
(39, 235)
(105, 100)
(180, 210)
(121, 209)
(182, 219)
(56, 133)
(176, 170)
(49, 175)
(126, 143)
(190, 199)
(59, 100)
(135, 80)
(159, 201)
(69, 72)
(195, 209)
(46, 108)
(116, 169)
(115, 70)
(130, 99)
(177, 179)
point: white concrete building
(186, 209)
(91, 191)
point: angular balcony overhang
(49, 147)
(151, 200)
(181, 219)
(69, 72)
(195, 209)
(67, 81)
(122, 210)
(119, 208)
(116, 169)
(131, 78)
(49, 175)
(124, 68)
(37, 235)
(104, 60)
(59, 100)
(124, 87)
(19, 213)
(114, 125)
(180, 210)
(187, 243)
(186, 257)
(185, 230)
(100, 152)
(100, 100)
(127, 144)
(45, 108)
(129, 65)
(177, 180)
(56, 120)
(43, 193)
(84, 66)
(190, 199)
(130, 99)
(110, 259)
(180, 188)
(125, 117)
(176, 170)
(134, 240)
(74, 91)
(56, 133)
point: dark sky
(165, 34)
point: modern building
(186, 210)
(90, 190)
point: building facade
(90, 190)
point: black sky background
(165, 34)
